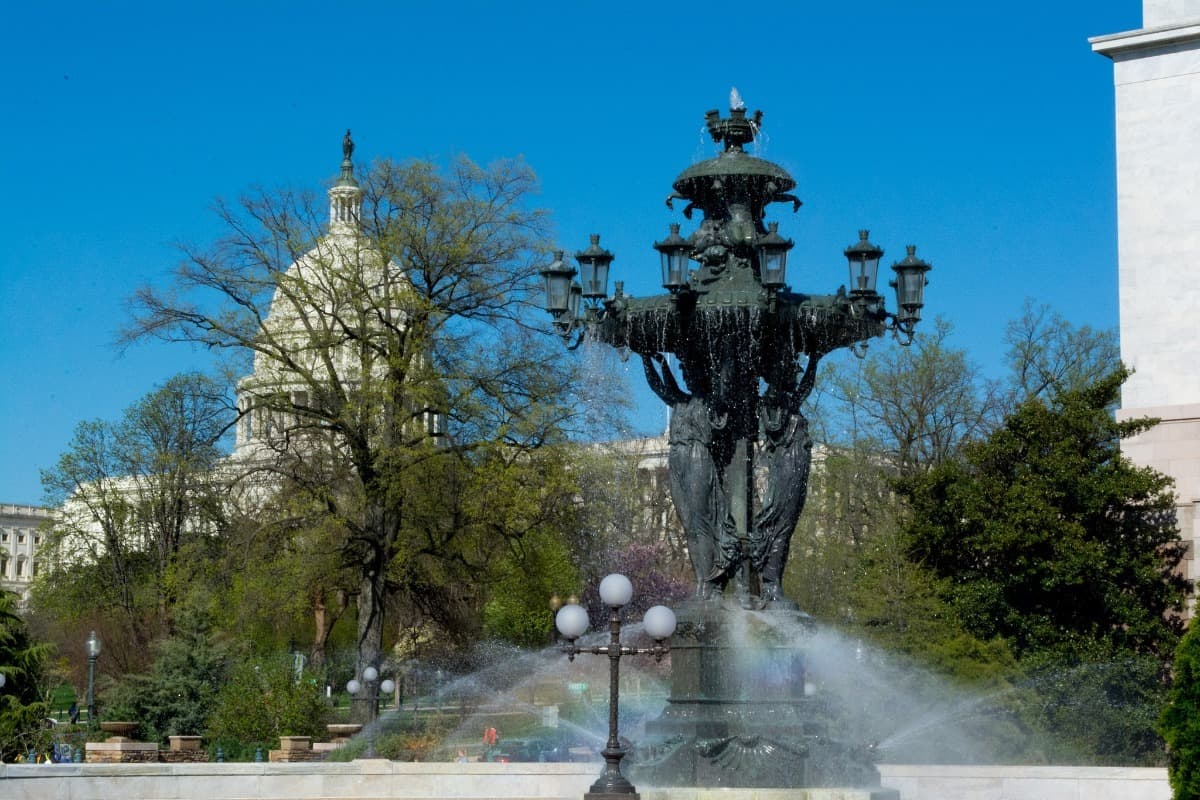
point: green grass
(61, 698)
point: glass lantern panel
(863, 275)
(910, 293)
(558, 288)
(774, 267)
(674, 266)
(599, 279)
(576, 300)
(587, 274)
(912, 288)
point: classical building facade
(20, 538)
(1156, 73)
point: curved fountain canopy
(733, 176)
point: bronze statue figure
(787, 451)
(694, 477)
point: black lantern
(772, 257)
(593, 265)
(910, 283)
(864, 265)
(675, 251)
(558, 285)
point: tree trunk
(323, 622)
(370, 637)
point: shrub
(264, 699)
(1179, 723)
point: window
(20, 538)
(20, 568)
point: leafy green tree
(176, 696)
(850, 567)
(393, 361)
(899, 411)
(1180, 720)
(282, 578)
(140, 502)
(1046, 535)
(23, 700)
(530, 503)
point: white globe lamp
(659, 622)
(616, 591)
(571, 621)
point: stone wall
(121, 751)
(929, 782)
(379, 779)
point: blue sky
(982, 132)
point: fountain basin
(343, 730)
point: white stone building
(1156, 73)
(20, 538)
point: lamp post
(92, 645)
(369, 676)
(368, 691)
(615, 592)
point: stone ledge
(1143, 38)
(111, 746)
(771, 794)
(490, 781)
(294, 756)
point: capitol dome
(317, 319)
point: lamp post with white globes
(355, 687)
(572, 620)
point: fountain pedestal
(739, 714)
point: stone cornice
(1120, 44)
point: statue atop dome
(347, 145)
